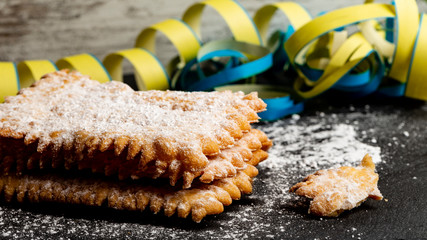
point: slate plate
(269, 212)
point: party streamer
(385, 55)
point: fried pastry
(67, 120)
(336, 190)
(201, 200)
(202, 142)
(225, 164)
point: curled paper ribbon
(386, 56)
(10, 83)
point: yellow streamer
(237, 19)
(343, 54)
(316, 43)
(417, 83)
(376, 38)
(86, 64)
(407, 17)
(333, 20)
(149, 73)
(180, 34)
(30, 71)
(296, 15)
(9, 81)
(361, 51)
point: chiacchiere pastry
(336, 190)
(200, 200)
(67, 121)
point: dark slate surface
(403, 177)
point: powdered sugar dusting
(316, 146)
(63, 104)
(302, 145)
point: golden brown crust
(200, 200)
(17, 157)
(336, 190)
(201, 141)
(67, 114)
(67, 120)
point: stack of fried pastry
(73, 140)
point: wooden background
(51, 29)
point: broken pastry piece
(67, 120)
(336, 190)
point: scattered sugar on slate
(302, 146)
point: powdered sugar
(271, 211)
(316, 146)
(62, 105)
